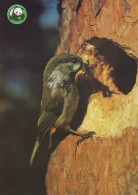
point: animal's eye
(74, 60)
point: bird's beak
(85, 67)
(86, 64)
(88, 69)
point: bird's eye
(74, 60)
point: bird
(60, 96)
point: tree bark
(104, 33)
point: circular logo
(17, 14)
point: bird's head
(70, 62)
(65, 66)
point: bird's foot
(85, 136)
(82, 135)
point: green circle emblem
(17, 14)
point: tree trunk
(104, 33)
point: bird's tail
(45, 122)
(34, 151)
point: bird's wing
(45, 122)
(48, 117)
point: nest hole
(124, 66)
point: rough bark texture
(108, 104)
(115, 20)
(102, 166)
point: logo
(17, 14)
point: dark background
(24, 52)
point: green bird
(60, 96)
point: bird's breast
(59, 83)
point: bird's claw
(85, 136)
